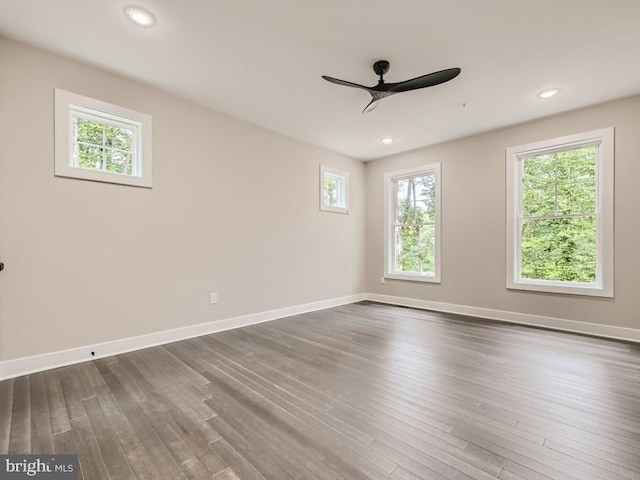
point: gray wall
(234, 209)
(473, 219)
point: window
(560, 215)
(412, 219)
(102, 142)
(334, 190)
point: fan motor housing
(381, 67)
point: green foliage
(559, 224)
(330, 191)
(102, 146)
(415, 224)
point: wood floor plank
(389, 434)
(434, 471)
(41, 436)
(158, 452)
(63, 443)
(226, 474)
(110, 449)
(212, 461)
(6, 408)
(249, 434)
(237, 463)
(57, 407)
(137, 457)
(293, 450)
(332, 449)
(256, 455)
(88, 450)
(176, 424)
(20, 434)
(72, 392)
(342, 434)
(195, 470)
(358, 392)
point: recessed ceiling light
(387, 140)
(552, 92)
(140, 16)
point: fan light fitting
(140, 16)
(552, 92)
(387, 140)
(384, 90)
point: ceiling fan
(384, 90)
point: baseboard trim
(47, 361)
(553, 323)
(26, 365)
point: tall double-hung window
(412, 220)
(560, 215)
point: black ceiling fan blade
(372, 105)
(345, 83)
(429, 80)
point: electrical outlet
(214, 297)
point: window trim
(389, 205)
(68, 103)
(324, 171)
(603, 139)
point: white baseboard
(37, 363)
(607, 331)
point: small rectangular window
(560, 215)
(334, 190)
(412, 218)
(102, 142)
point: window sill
(413, 277)
(326, 208)
(561, 288)
(101, 176)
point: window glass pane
(576, 198)
(561, 183)
(88, 131)
(576, 165)
(404, 201)
(407, 258)
(334, 190)
(102, 146)
(425, 198)
(415, 249)
(427, 236)
(109, 165)
(117, 162)
(415, 200)
(89, 157)
(559, 249)
(330, 191)
(538, 171)
(539, 201)
(128, 164)
(118, 137)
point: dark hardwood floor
(363, 391)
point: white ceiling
(262, 61)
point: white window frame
(389, 215)
(603, 140)
(69, 105)
(343, 191)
